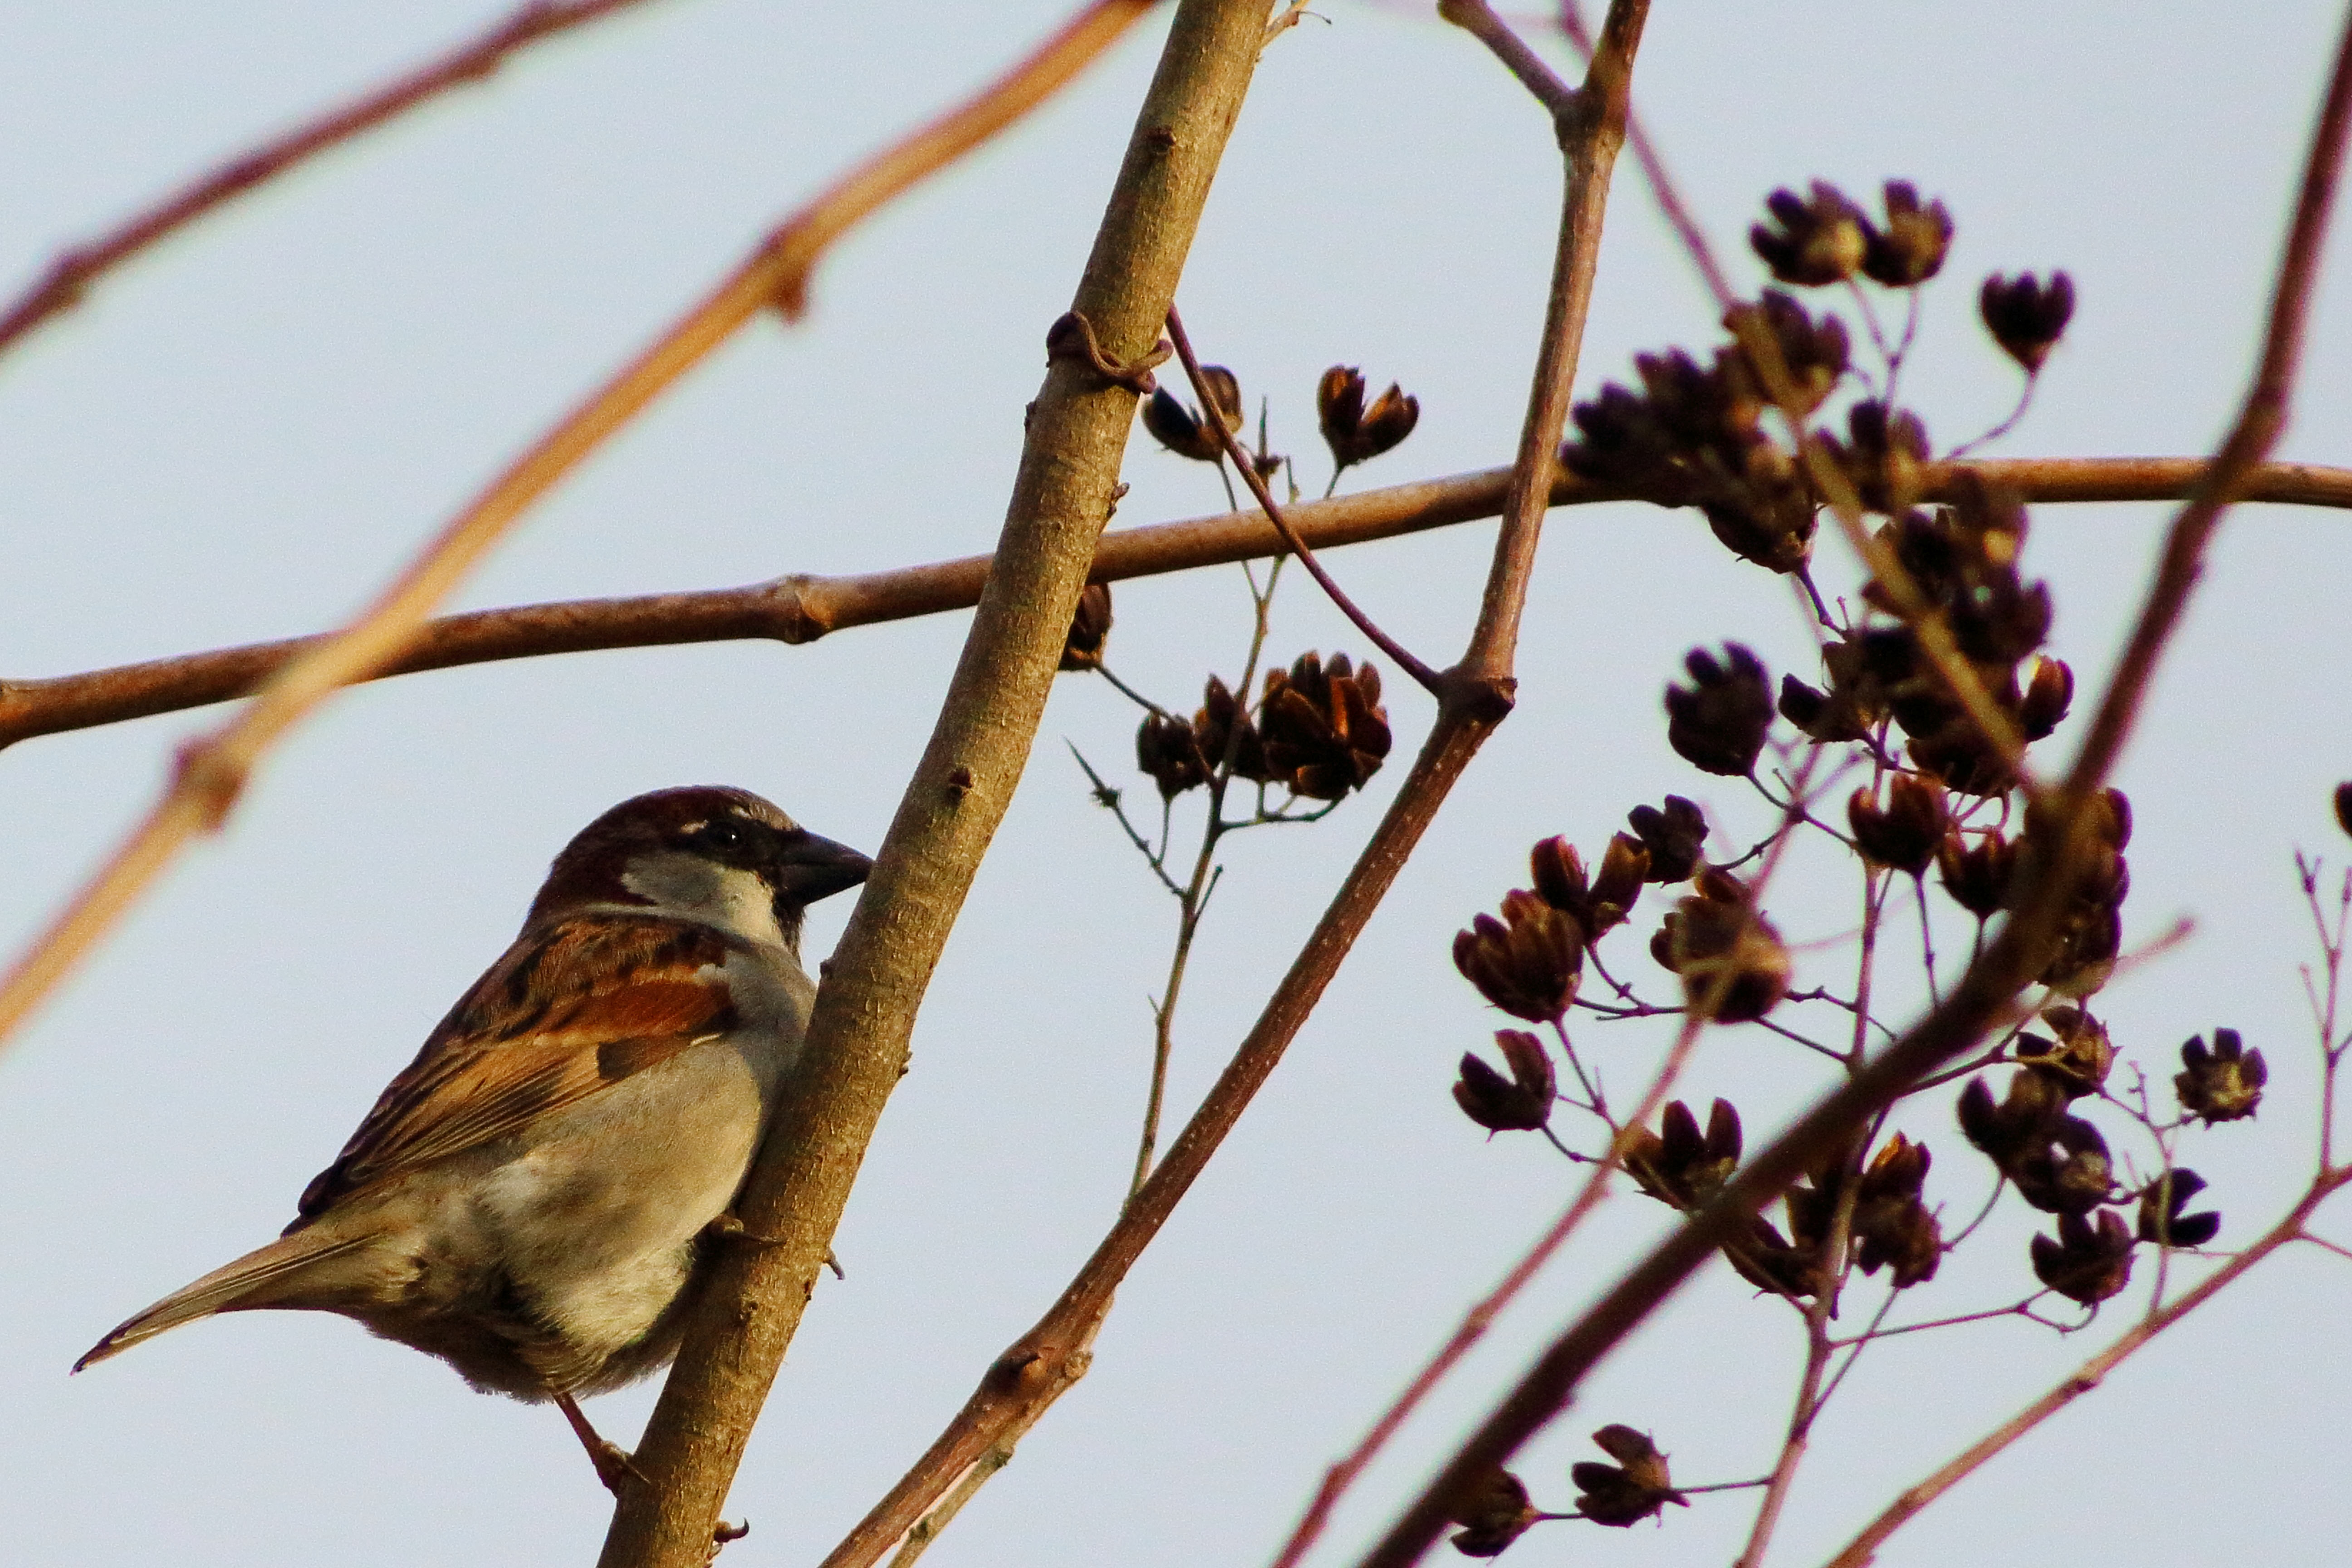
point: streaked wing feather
(570, 1010)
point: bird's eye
(723, 833)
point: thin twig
(70, 278)
(1239, 457)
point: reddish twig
(1238, 454)
(69, 277)
(2007, 964)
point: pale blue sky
(240, 435)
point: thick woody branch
(212, 772)
(1014, 1391)
(2008, 963)
(801, 608)
(69, 277)
(865, 1009)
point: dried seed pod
(2078, 1060)
(1528, 963)
(2224, 1084)
(1733, 965)
(1675, 834)
(2006, 1133)
(1887, 457)
(1214, 730)
(2087, 1263)
(2065, 1169)
(1910, 248)
(2025, 316)
(1600, 905)
(1629, 1492)
(1492, 1514)
(1892, 1227)
(2344, 805)
(1520, 1103)
(1977, 874)
(1187, 431)
(2161, 1219)
(1815, 353)
(1089, 629)
(2048, 695)
(1323, 725)
(1822, 238)
(1165, 749)
(1718, 722)
(1678, 1165)
(1354, 433)
(1904, 833)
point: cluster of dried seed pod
(1318, 730)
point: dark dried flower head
(2026, 316)
(2344, 805)
(1851, 707)
(1323, 725)
(2078, 1060)
(2087, 1263)
(1814, 354)
(1528, 962)
(1674, 836)
(1089, 629)
(2047, 696)
(2161, 1219)
(1733, 965)
(2007, 1131)
(1902, 834)
(1680, 1166)
(1214, 726)
(1719, 722)
(2065, 1169)
(2224, 1084)
(1520, 1103)
(1492, 1514)
(1600, 904)
(1629, 1492)
(1892, 1227)
(1885, 456)
(1910, 249)
(1186, 431)
(1821, 237)
(1165, 749)
(1976, 872)
(1353, 432)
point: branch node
(1071, 336)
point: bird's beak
(807, 867)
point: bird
(538, 1198)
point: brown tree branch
(1077, 435)
(1475, 698)
(801, 607)
(2014, 957)
(69, 277)
(211, 772)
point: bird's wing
(574, 1006)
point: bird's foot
(727, 1228)
(612, 1462)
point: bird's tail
(256, 1279)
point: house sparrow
(537, 1197)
